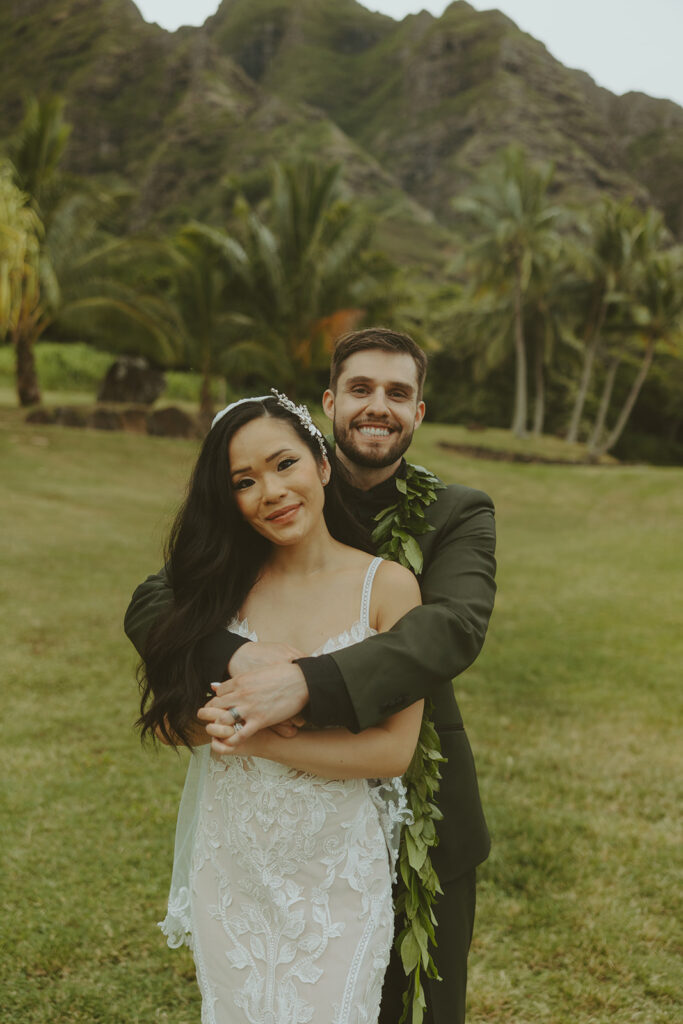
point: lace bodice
(359, 630)
(389, 795)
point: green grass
(496, 439)
(572, 710)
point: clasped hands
(265, 689)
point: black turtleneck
(329, 702)
(365, 505)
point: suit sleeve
(439, 640)
(149, 600)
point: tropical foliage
(514, 240)
(556, 314)
(37, 150)
(20, 236)
(605, 282)
(74, 270)
(655, 320)
(299, 271)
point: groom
(375, 403)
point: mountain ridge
(412, 108)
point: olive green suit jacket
(418, 657)
(427, 648)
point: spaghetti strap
(367, 591)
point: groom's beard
(359, 452)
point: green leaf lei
(418, 885)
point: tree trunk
(592, 342)
(28, 389)
(631, 400)
(520, 412)
(608, 387)
(539, 397)
(205, 399)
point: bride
(284, 852)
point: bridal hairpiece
(303, 416)
(233, 405)
(300, 411)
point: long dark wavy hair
(213, 559)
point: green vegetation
(267, 296)
(74, 367)
(165, 240)
(78, 369)
(76, 277)
(573, 710)
(515, 243)
(184, 110)
(609, 285)
(292, 281)
(21, 233)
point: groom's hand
(263, 697)
(260, 653)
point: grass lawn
(572, 710)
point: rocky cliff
(411, 108)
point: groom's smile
(370, 430)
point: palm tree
(196, 311)
(545, 328)
(658, 321)
(35, 153)
(598, 428)
(92, 283)
(299, 272)
(37, 149)
(80, 276)
(20, 236)
(619, 235)
(515, 238)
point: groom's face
(375, 408)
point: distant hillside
(411, 108)
(434, 98)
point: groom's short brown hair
(381, 338)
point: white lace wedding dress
(282, 883)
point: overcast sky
(624, 44)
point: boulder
(134, 420)
(172, 422)
(70, 416)
(105, 419)
(41, 415)
(132, 379)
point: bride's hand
(260, 653)
(222, 728)
(261, 698)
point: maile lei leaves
(418, 885)
(399, 523)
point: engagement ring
(236, 716)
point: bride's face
(278, 485)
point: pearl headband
(300, 411)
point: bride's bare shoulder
(395, 591)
